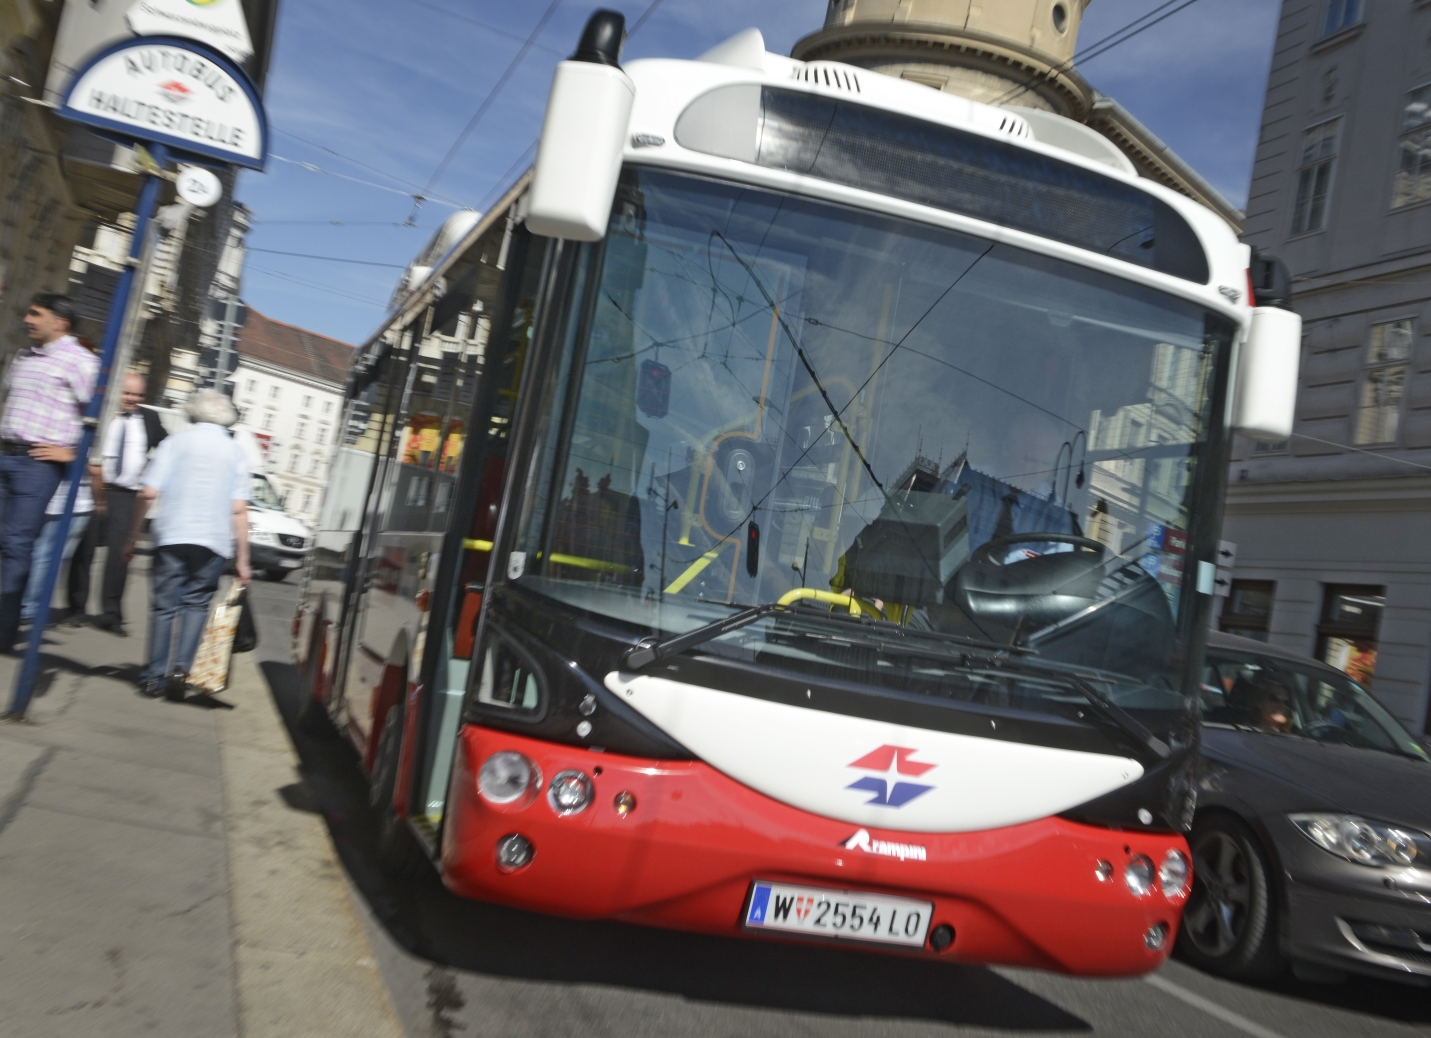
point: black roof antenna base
(602, 38)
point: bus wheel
(398, 851)
(1230, 923)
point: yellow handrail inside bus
(563, 560)
(695, 568)
(848, 600)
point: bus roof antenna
(602, 38)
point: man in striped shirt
(49, 383)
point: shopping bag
(210, 673)
(246, 634)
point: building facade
(288, 387)
(1331, 528)
(1013, 52)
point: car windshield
(264, 496)
(769, 398)
(1276, 696)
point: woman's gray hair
(209, 405)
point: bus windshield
(770, 398)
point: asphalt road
(459, 967)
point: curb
(302, 961)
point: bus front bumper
(1047, 894)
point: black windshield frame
(1203, 521)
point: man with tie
(132, 434)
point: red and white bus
(791, 512)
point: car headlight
(1366, 842)
(261, 536)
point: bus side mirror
(1265, 394)
(583, 137)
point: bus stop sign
(165, 90)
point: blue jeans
(44, 545)
(185, 579)
(26, 486)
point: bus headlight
(506, 776)
(1173, 875)
(1139, 875)
(569, 793)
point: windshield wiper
(1114, 713)
(650, 650)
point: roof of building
(268, 341)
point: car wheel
(1229, 926)
(276, 575)
(398, 851)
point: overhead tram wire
(500, 185)
(1097, 49)
(345, 158)
(487, 101)
(484, 25)
(312, 168)
(331, 259)
(305, 283)
(329, 223)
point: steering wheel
(984, 555)
(1031, 593)
(1325, 731)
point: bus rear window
(944, 168)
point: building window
(307, 400)
(300, 430)
(250, 386)
(1314, 176)
(327, 407)
(322, 435)
(1341, 14)
(292, 462)
(273, 392)
(1346, 637)
(307, 502)
(268, 420)
(1384, 383)
(314, 464)
(1413, 174)
(1248, 609)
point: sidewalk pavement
(160, 870)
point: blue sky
(388, 85)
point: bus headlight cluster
(506, 777)
(569, 793)
(1139, 875)
(1173, 874)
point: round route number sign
(198, 186)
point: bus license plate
(846, 914)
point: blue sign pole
(143, 210)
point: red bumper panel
(686, 855)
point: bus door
(471, 528)
(356, 683)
